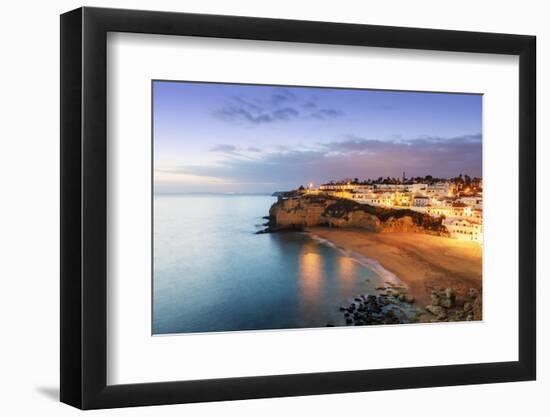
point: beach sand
(421, 261)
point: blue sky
(234, 138)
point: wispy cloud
(282, 105)
(353, 156)
(235, 151)
(224, 148)
(354, 143)
(323, 114)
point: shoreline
(372, 264)
(420, 261)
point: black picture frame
(84, 207)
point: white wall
(29, 238)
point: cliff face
(317, 210)
(403, 224)
(304, 211)
(298, 212)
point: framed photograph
(257, 208)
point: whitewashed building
(464, 229)
(374, 199)
(420, 201)
(362, 188)
(473, 201)
(454, 210)
(338, 186)
(418, 188)
(440, 189)
(391, 187)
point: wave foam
(369, 263)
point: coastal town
(292, 207)
(457, 201)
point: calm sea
(213, 273)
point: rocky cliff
(300, 211)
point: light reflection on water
(346, 268)
(212, 273)
(311, 277)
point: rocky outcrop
(298, 211)
(391, 305)
(447, 306)
(309, 211)
(403, 224)
(355, 219)
(477, 309)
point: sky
(236, 138)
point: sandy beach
(421, 261)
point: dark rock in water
(368, 309)
(383, 300)
(390, 320)
(372, 303)
(374, 308)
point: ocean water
(212, 272)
